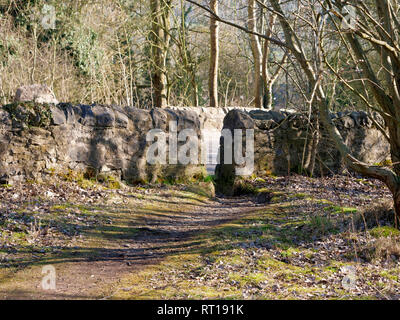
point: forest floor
(325, 238)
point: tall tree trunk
(256, 50)
(268, 95)
(314, 148)
(160, 13)
(195, 90)
(214, 56)
(268, 76)
(268, 99)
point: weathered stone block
(35, 93)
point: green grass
(386, 231)
(338, 209)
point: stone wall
(38, 140)
(212, 118)
(282, 142)
(40, 137)
(212, 122)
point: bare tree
(264, 76)
(269, 75)
(257, 52)
(373, 33)
(214, 55)
(381, 39)
(160, 38)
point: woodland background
(101, 51)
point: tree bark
(214, 56)
(266, 77)
(256, 50)
(195, 90)
(160, 15)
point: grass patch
(337, 209)
(385, 231)
(321, 225)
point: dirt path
(90, 274)
(168, 242)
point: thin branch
(218, 18)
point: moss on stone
(111, 182)
(205, 189)
(29, 113)
(243, 187)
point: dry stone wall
(39, 140)
(212, 118)
(283, 144)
